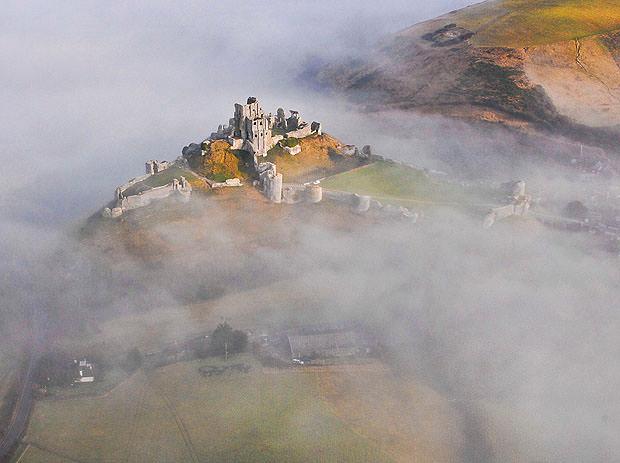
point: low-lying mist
(518, 323)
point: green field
(175, 414)
(160, 179)
(394, 183)
(519, 23)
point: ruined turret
(270, 181)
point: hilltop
(551, 65)
(290, 161)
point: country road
(25, 399)
(21, 412)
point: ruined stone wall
(293, 193)
(519, 206)
(132, 182)
(362, 204)
(306, 129)
(144, 198)
(302, 132)
(231, 182)
(154, 167)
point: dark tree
(225, 340)
(133, 361)
(576, 210)
(240, 340)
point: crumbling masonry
(124, 202)
(519, 204)
(251, 130)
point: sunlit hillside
(519, 23)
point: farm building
(329, 344)
(84, 372)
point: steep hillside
(542, 63)
(220, 162)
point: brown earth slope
(474, 64)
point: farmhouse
(84, 372)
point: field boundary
(187, 439)
(50, 451)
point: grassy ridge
(400, 185)
(520, 23)
(386, 180)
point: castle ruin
(154, 167)
(519, 204)
(124, 202)
(252, 130)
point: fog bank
(519, 322)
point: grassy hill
(522, 23)
(551, 65)
(401, 185)
(318, 158)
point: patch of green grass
(386, 179)
(518, 23)
(290, 142)
(160, 179)
(220, 177)
(393, 183)
(165, 177)
(273, 153)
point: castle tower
(251, 124)
(314, 193)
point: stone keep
(251, 124)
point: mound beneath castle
(320, 156)
(220, 162)
(317, 156)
